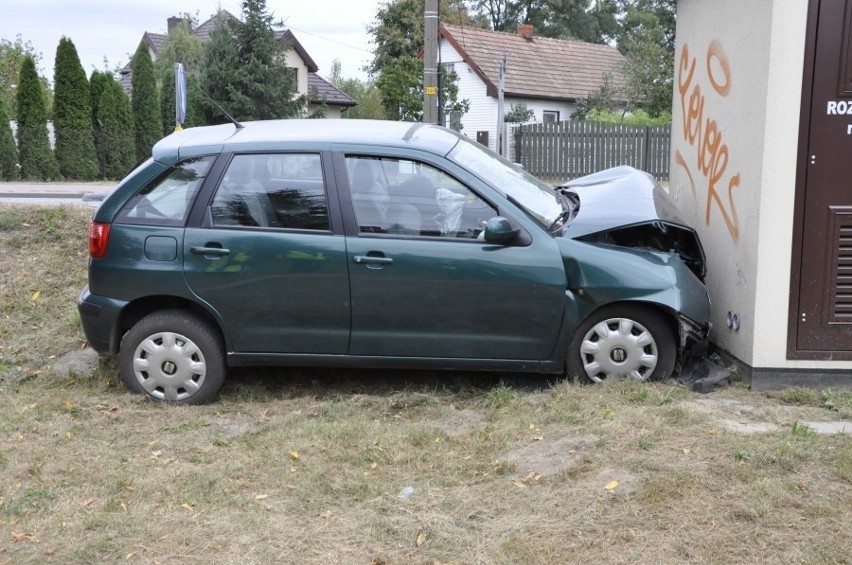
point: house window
(550, 116)
(294, 77)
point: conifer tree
(98, 82)
(34, 152)
(115, 119)
(218, 65)
(72, 115)
(244, 68)
(147, 123)
(8, 151)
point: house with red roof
(548, 75)
(298, 62)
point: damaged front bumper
(694, 339)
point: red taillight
(98, 239)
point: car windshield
(539, 200)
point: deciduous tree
(36, 157)
(647, 38)
(397, 33)
(180, 46)
(12, 55)
(72, 115)
(365, 93)
(397, 29)
(8, 151)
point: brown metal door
(825, 289)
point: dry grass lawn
(329, 466)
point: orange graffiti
(711, 152)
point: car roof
(268, 133)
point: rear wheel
(623, 340)
(173, 356)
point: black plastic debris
(703, 376)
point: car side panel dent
(600, 274)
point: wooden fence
(565, 150)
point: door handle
(209, 251)
(371, 260)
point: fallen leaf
(421, 539)
(538, 438)
(519, 484)
(325, 514)
(69, 405)
(261, 497)
(611, 485)
(186, 506)
(373, 465)
(36, 294)
(294, 455)
(87, 502)
(532, 426)
(686, 451)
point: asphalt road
(54, 192)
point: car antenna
(237, 124)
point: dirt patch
(549, 457)
(81, 362)
(615, 481)
(459, 422)
(754, 418)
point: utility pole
(501, 146)
(430, 62)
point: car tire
(173, 356)
(622, 340)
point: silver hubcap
(618, 347)
(169, 366)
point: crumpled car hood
(616, 197)
(626, 207)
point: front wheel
(622, 340)
(173, 356)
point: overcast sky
(327, 29)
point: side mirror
(499, 230)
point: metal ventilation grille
(841, 294)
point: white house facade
(547, 75)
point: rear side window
(278, 190)
(167, 200)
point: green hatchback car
(382, 244)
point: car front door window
(403, 197)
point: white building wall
(735, 124)
(482, 115)
(294, 61)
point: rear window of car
(167, 200)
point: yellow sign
(433, 90)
